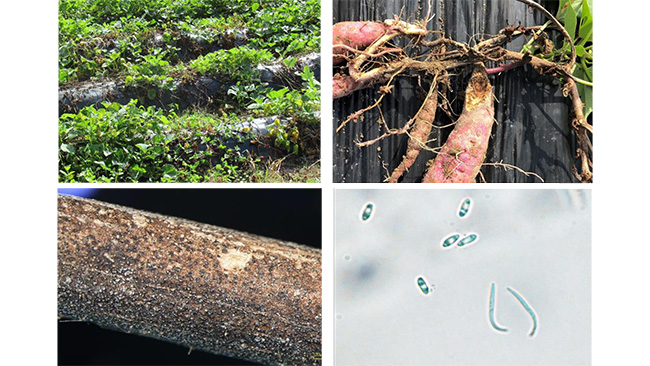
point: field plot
(189, 91)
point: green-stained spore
(468, 240)
(465, 206)
(451, 239)
(491, 311)
(422, 284)
(526, 306)
(367, 212)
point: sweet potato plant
(379, 55)
(189, 91)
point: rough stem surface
(197, 285)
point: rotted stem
(559, 25)
(197, 285)
(581, 126)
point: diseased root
(460, 158)
(370, 61)
(420, 132)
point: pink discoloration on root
(506, 67)
(462, 155)
(343, 85)
(356, 35)
(419, 134)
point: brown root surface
(461, 157)
(419, 133)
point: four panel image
(203, 210)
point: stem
(577, 79)
(583, 62)
(510, 66)
(530, 41)
(559, 25)
(201, 286)
(584, 82)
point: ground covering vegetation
(189, 91)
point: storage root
(365, 55)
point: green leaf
(571, 21)
(113, 107)
(290, 62)
(586, 22)
(588, 3)
(564, 7)
(143, 146)
(69, 148)
(585, 91)
(306, 74)
(151, 94)
(255, 6)
(276, 94)
(102, 164)
(169, 171)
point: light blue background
(535, 241)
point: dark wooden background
(532, 132)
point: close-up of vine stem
(201, 286)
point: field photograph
(189, 91)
